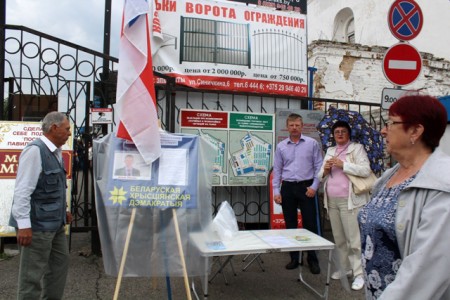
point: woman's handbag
(362, 185)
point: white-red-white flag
(136, 100)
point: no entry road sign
(405, 19)
(402, 64)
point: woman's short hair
(425, 110)
(342, 124)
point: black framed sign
(291, 5)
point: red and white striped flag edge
(136, 101)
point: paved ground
(87, 279)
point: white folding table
(263, 241)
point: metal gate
(44, 73)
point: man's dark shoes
(292, 265)
(314, 267)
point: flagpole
(180, 249)
(124, 254)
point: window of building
(344, 26)
(351, 32)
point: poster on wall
(291, 5)
(231, 46)
(14, 136)
(243, 143)
(310, 120)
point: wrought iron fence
(39, 64)
(251, 203)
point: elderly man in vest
(39, 212)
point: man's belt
(301, 182)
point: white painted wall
(354, 72)
(371, 25)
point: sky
(78, 21)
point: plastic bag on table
(225, 223)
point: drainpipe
(311, 71)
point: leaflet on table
(278, 241)
(215, 245)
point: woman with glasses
(341, 203)
(404, 227)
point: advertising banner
(231, 46)
(14, 136)
(243, 143)
(292, 5)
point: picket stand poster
(163, 184)
(125, 186)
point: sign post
(402, 62)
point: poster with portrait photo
(130, 166)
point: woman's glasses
(337, 132)
(390, 123)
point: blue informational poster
(169, 182)
(152, 209)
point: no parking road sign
(402, 64)
(405, 19)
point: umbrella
(362, 133)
